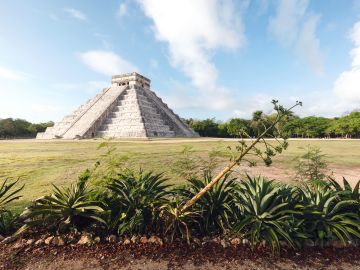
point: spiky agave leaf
(266, 216)
(136, 200)
(9, 192)
(328, 215)
(217, 206)
(65, 207)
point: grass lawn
(41, 163)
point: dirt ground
(210, 256)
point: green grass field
(41, 163)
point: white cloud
(75, 13)
(295, 28)
(193, 31)
(9, 74)
(308, 45)
(105, 62)
(122, 11)
(347, 85)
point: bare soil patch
(175, 256)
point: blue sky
(206, 58)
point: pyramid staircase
(126, 109)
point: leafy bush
(266, 215)
(136, 200)
(311, 165)
(179, 223)
(217, 207)
(328, 217)
(65, 208)
(8, 222)
(8, 193)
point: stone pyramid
(127, 109)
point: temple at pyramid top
(126, 109)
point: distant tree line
(296, 127)
(18, 128)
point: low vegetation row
(252, 211)
(295, 127)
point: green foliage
(265, 214)
(296, 127)
(326, 216)
(19, 128)
(64, 209)
(217, 207)
(311, 165)
(179, 223)
(8, 193)
(8, 222)
(136, 200)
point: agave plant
(327, 216)
(8, 193)
(217, 207)
(65, 208)
(346, 191)
(179, 223)
(266, 215)
(136, 200)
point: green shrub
(135, 201)
(327, 216)
(217, 207)
(65, 208)
(311, 165)
(265, 214)
(8, 222)
(179, 223)
(8, 193)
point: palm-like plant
(327, 216)
(136, 200)
(179, 223)
(346, 191)
(64, 208)
(8, 193)
(266, 216)
(217, 207)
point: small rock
(112, 238)
(97, 239)
(8, 239)
(39, 242)
(156, 240)
(245, 241)
(216, 240)
(1, 237)
(224, 243)
(49, 240)
(127, 241)
(197, 241)
(18, 245)
(29, 242)
(58, 241)
(143, 240)
(134, 239)
(235, 241)
(309, 243)
(85, 239)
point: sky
(205, 58)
